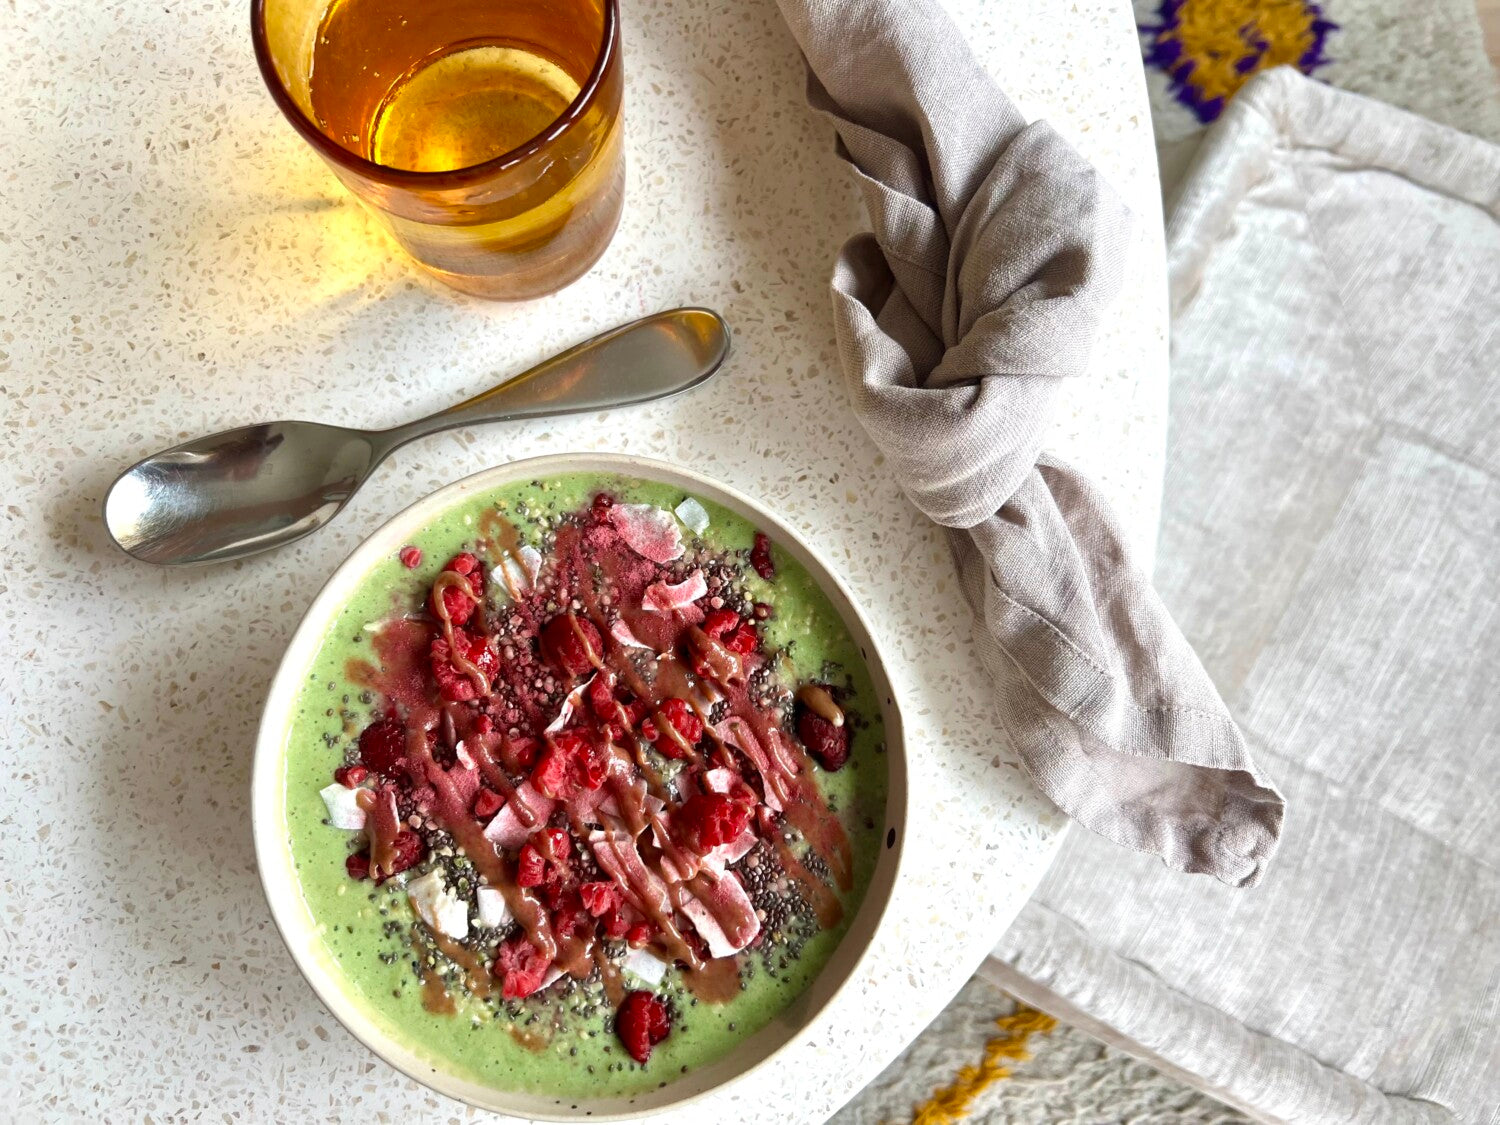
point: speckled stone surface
(173, 260)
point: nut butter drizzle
(575, 955)
(630, 797)
(714, 980)
(789, 779)
(642, 894)
(381, 828)
(724, 666)
(494, 773)
(450, 580)
(478, 978)
(619, 663)
(665, 729)
(819, 895)
(452, 815)
(609, 976)
(583, 639)
(499, 537)
(435, 996)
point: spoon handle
(651, 358)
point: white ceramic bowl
(298, 930)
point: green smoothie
(561, 1039)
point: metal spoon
(248, 490)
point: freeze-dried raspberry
(641, 1024)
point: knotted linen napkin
(995, 250)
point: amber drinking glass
(485, 134)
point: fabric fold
(995, 250)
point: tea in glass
(487, 135)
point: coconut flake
(621, 632)
(531, 559)
(494, 912)
(665, 597)
(508, 573)
(737, 733)
(508, 827)
(649, 532)
(704, 694)
(720, 780)
(693, 515)
(569, 705)
(639, 963)
(734, 851)
(439, 907)
(731, 905)
(343, 808)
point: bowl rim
(267, 777)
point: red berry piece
(487, 803)
(679, 714)
(720, 621)
(410, 851)
(546, 861)
(411, 557)
(519, 753)
(382, 745)
(600, 898)
(569, 918)
(711, 819)
(522, 968)
(531, 870)
(591, 770)
(603, 502)
(571, 644)
(828, 743)
(459, 604)
(454, 684)
(350, 776)
(616, 924)
(570, 767)
(601, 696)
(638, 935)
(634, 715)
(551, 776)
(760, 557)
(641, 1024)
(561, 842)
(744, 640)
(483, 724)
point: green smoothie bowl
(580, 790)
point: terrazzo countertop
(176, 261)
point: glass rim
(331, 150)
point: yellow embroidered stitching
(951, 1103)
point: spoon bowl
(238, 492)
(247, 490)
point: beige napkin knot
(995, 249)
